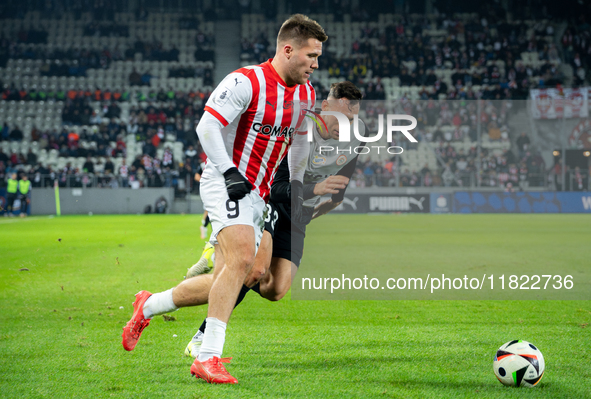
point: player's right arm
(229, 100)
(330, 185)
(336, 185)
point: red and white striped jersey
(261, 116)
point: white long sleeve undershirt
(209, 131)
(298, 157)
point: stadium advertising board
(399, 203)
(523, 202)
(441, 203)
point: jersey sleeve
(298, 157)
(209, 131)
(231, 98)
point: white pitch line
(17, 219)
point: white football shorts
(223, 212)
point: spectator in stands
(447, 175)
(31, 158)
(208, 78)
(124, 173)
(85, 117)
(522, 144)
(191, 156)
(142, 118)
(186, 175)
(135, 79)
(109, 166)
(114, 111)
(5, 132)
(369, 174)
(88, 166)
(16, 134)
(120, 146)
(145, 78)
(580, 182)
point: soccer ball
(519, 363)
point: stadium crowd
(504, 171)
(576, 43)
(76, 61)
(445, 126)
(470, 48)
(105, 135)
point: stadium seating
(162, 47)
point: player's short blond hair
(298, 29)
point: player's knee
(249, 260)
(256, 275)
(245, 263)
(243, 266)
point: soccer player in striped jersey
(251, 120)
(329, 167)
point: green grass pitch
(61, 319)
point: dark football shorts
(288, 243)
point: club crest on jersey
(341, 160)
(274, 131)
(223, 97)
(318, 160)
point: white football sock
(213, 339)
(158, 304)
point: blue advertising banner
(522, 202)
